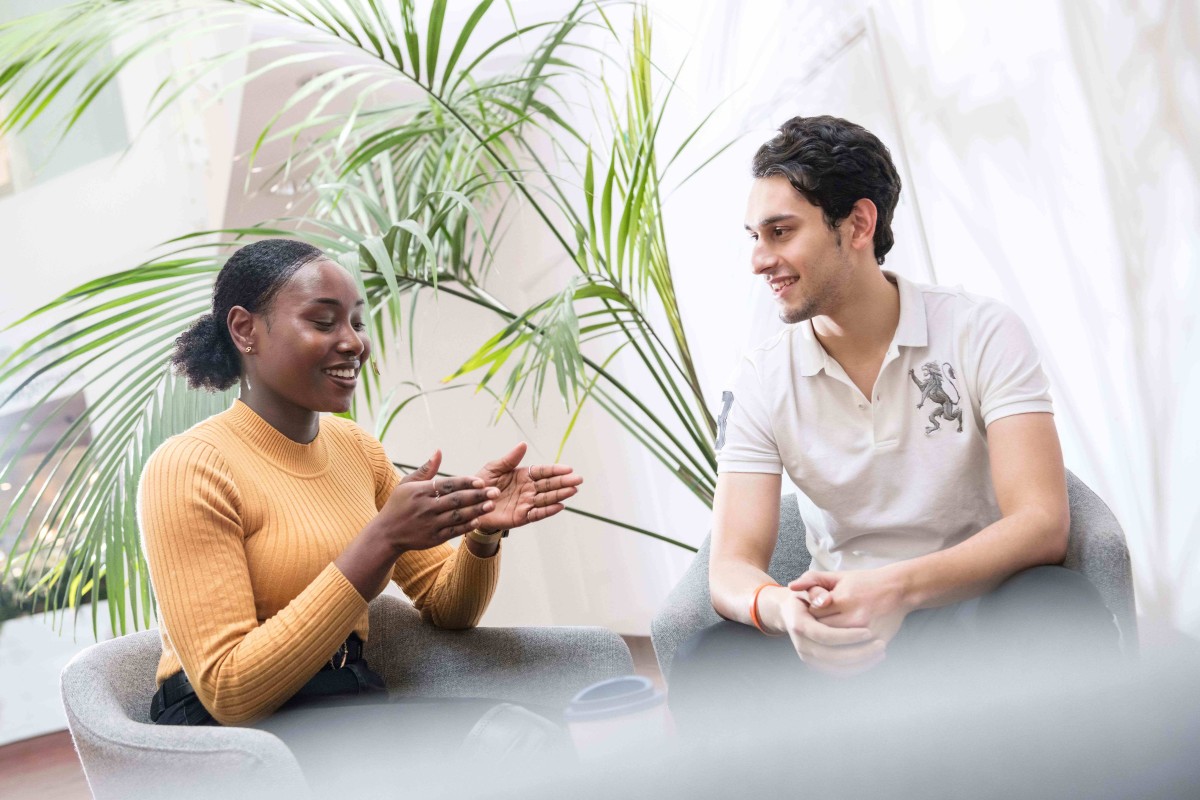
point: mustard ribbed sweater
(241, 526)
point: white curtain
(1051, 158)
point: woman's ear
(241, 328)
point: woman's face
(311, 344)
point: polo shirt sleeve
(745, 439)
(1009, 375)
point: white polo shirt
(884, 481)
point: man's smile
(780, 283)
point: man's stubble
(826, 297)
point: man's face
(798, 255)
(314, 342)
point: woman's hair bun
(205, 355)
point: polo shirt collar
(912, 331)
(812, 355)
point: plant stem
(589, 515)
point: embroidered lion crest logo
(726, 404)
(934, 388)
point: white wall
(110, 214)
(33, 652)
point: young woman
(269, 527)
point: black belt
(178, 688)
(173, 689)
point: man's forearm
(732, 586)
(745, 519)
(1019, 541)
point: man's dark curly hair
(835, 163)
(251, 278)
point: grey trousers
(1048, 622)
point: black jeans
(1046, 621)
(176, 702)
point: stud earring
(247, 348)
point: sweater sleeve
(451, 587)
(192, 533)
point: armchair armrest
(540, 665)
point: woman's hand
(422, 514)
(427, 471)
(526, 494)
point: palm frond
(544, 337)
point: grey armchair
(1096, 548)
(106, 692)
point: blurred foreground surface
(1134, 733)
(1130, 732)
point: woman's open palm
(527, 494)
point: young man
(917, 421)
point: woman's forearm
(367, 562)
(481, 549)
(462, 590)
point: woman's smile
(344, 376)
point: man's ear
(863, 216)
(241, 328)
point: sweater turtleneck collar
(298, 459)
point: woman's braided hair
(251, 278)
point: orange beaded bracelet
(754, 610)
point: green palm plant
(411, 196)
